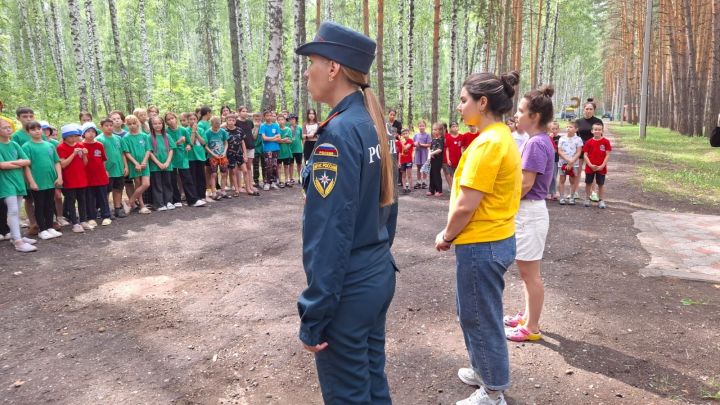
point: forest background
(179, 54)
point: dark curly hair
(499, 90)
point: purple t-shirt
(538, 155)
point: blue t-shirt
(216, 140)
(270, 130)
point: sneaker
(424, 185)
(29, 241)
(571, 201)
(162, 208)
(145, 210)
(576, 196)
(266, 187)
(289, 185)
(92, 223)
(120, 213)
(25, 247)
(106, 222)
(77, 228)
(438, 194)
(594, 197)
(406, 191)
(178, 205)
(274, 186)
(45, 235)
(54, 232)
(514, 320)
(587, 203)
(199, 203)
(429, 193)
(282, 185)
(126, 207)
(417, 186)
(522, 334)
(171, 206)
(8, 236)
(562, 201)
(469, 377)
(481, 397)
(63, 222)
(86, 226)
(601, 204)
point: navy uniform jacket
(345, 230)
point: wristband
(447, 241)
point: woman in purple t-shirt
(535, 111)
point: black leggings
(256, 167)
(162, 188)
(97, 197)
(4, 228)
(188, 184)
(72, 196)
(308, 149)
(44, 207)
(435, 175)
(197, 171)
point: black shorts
(298, 158)
(128, 180)
(117, 183)
(595, 177)
(286, 161)
(406, 166)
(235, 160)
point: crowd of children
(71, 176)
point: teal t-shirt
(180, 155)
(136, 146)
(12, 182)
(161, 152)
(296, 145)
(113, 151)
(216, 140)
(285, 152)
(43, 157)
(198, 149)
(203, 126)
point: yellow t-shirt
(491, 164)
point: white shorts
(250, 153)
(531, 227)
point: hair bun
(510, 80)
(590, 99)
(547, 90)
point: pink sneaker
(513, 321)
(522, 334)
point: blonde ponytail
(387, 170)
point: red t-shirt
(468, 137)
(596, 150)
(406, 156)
(74, 175)
(453, 145)
(95, 169)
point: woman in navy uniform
(348, 223)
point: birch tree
(453, 60)
(74, 15)
(272, 74)
(57, 46)
(145, 48)
(129, 102)
(411, 54)
(379, 55)
(96, 58)
(435, 62)
(235, 51)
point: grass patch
(686, 167)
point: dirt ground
(197, 306)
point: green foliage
(686, 167)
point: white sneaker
(29, 241)
(62, 221)
(480, 397)
(469, 377)
(126, 207)
(45, 235)
(77, 228)
(178, 205)
(86, 226)
(601, 204)
(106, 222)
(576, 196)
(54, 232)
(170, 206)
(162, 208)
(274, 186)
(25, 247)
(266, 187)
(8, 236)
(145, 210)
(92, 223)
(199, 203)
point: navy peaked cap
(342, 45)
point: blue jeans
(480, 284)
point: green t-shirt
(21, 137)
(198, 150)
(161, 153)
(296, 146)
(136, 146)
(43, 157)
(12, 182)
(258, 142)
(180, 156)
(285, 152)
(53, 141)
(113, 151)
(203, 126)
(216, 141)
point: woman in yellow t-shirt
(484, 198)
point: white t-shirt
(569, 147)
(519, 138)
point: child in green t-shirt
(161, 166)
(285, 157)
(217, 144)
(137, 148)
(116, 163)
(47, 175)
(296, 147)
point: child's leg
(83, 208)
(176, 186)
(534, 292)
(588, 189)
(4, 229)
(102, 195)
(139, 189)
(90, 203)
(168, 181)
(157, 189)
(419, 173)
(188, 184)
(601, 191)
(248, 181)
(287, 167)
(561, 186)
(69, 205)
(30, 210)
(13, 216)
(58, 203)
(40, 204)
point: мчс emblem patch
(324, 168)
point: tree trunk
(318, 16)
(435, 63)
(235, 51)
(544, 42)
(301, 39)
(536, 59)
(57, 46)
(401, 62)
(130, 103)
(517, 35)
(379, 54)
(453, 58)
(554, 43)
(145, 49)
(366, 17)
(411, 54)
(694, 102)
(296, 73)
(714, 89)
(27, 32)
(78, 51)
(272, 74)
(96, 56)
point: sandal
(253, 193)
(514, 320)
(236, 194)
(522, 334)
